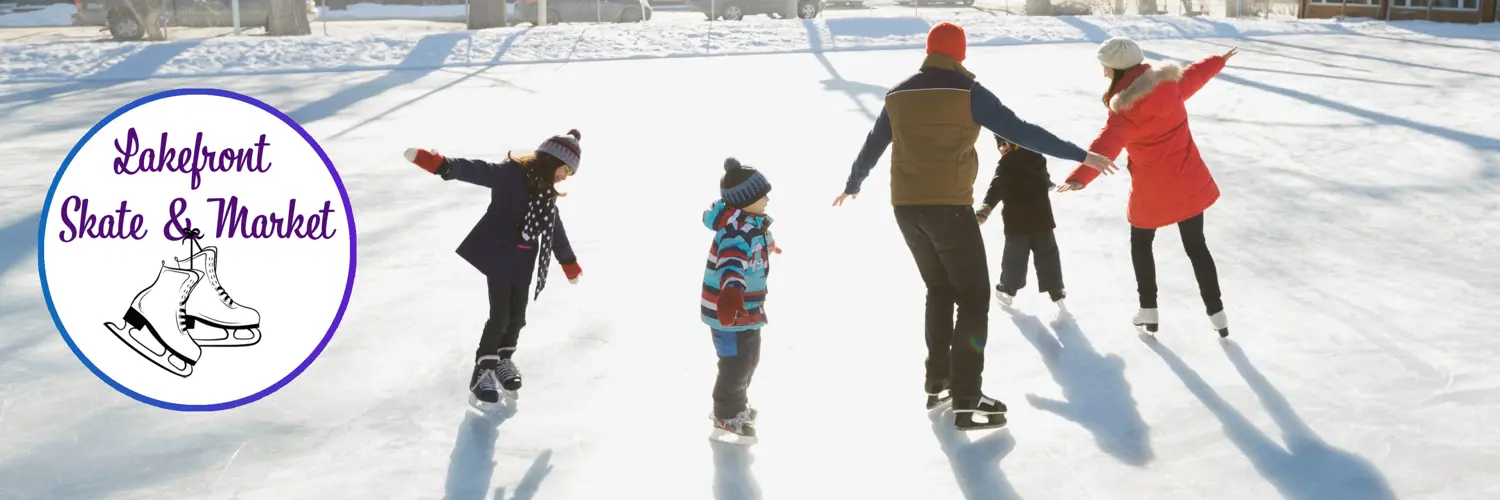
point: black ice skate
(156, 323)
(1146, 321)
(737, 430)
(229, 323)
(509, 377)
(977, 413)
(483, 383)
(937, 393)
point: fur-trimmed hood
(1145, 82)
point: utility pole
(234, 7)
(541, 12)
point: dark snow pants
(507, 317)
(949, 251)
(1041, 246)
(739, 354)
(1197, 251)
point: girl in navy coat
(520, 226)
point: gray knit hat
(565, 148)
(1120, 53)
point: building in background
(1448, 11)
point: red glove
(428, 160)
(731, 306)
(573, 272)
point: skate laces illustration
(171, 331)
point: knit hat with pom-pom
(741, 185)
(565, 148)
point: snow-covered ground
(246, 55)
(1355, 240)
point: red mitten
(428, 160)
(731, 306)
(573, 272)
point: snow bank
(581, 42)
(52, 15)
(370, 11)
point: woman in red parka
(1169, 183)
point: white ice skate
(1146, 321)
(1221, 323)
(156, 323)
(229, 323)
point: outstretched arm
(478, 172)
(1109, 143)
(991, 114)
(1196, 75)
(562, 249)
(876, 143)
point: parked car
(587, 11)
(122, 24)
(735, 10)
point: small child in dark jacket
(1022, 183)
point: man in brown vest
(934, 119)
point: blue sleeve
(991, 114)
(561, 247)
(734, 258)
(478, 172)
(876, 143)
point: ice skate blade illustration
(155, 324)
(214, 319)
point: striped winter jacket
(739, 258)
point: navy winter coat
(493, 246)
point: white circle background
(297, 285)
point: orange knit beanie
(947, 39)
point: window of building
(1366, 3)
(1438, 4)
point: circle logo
(197, 249)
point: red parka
(1169, 182)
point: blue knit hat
(742, 186)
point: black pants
(1197, 251)
(507, 317)
(949, 251)
(739, 354)
(1041, 246)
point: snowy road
(1355, 241)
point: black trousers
(1041, 246)
(1197, 252)
(739, 354)
(507, 317)
(949, 252)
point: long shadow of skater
(526, 488)
(976, 464)
(137, 65)
(1308, 467)
(732, 477)
(427, 56)
(1098, 397)
(472, 463)
(837, 83)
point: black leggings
(1197, 251)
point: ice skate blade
(500, 409)
(932, 405)
(1146, 329)
(727, 437)
(994, 421)
(163, 357)
(217, 336)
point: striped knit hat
(742, 186)
(565, 148)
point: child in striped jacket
(734, 293)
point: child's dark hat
(742, 185)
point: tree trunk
(485, 14)
(148, 13)
(1038, 7)
(288, 18)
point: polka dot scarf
(536, 229)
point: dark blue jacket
(494, 244)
